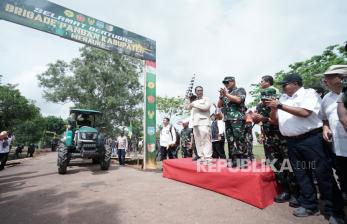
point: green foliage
(14, 108)
(170, 106)
(51, 127)
(255, 93)
(317, 64)
(101, 81)
(54, 124)
(29, 131)
(20, 116)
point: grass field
(258, 151)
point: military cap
(268, 93)
(227, 79)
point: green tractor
(83, 140)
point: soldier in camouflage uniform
(249, 135)
(186, 140)
(232, 102)
(275, 147)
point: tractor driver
(84, 120)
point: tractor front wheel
(63, 159)
(105, 158)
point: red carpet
(256, 185)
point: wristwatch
(279, 106)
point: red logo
(150, 99)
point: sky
(210, 38)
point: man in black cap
(297, 112)
(275, 148)
(232, 102)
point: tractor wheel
(63, 159)
(105, 158)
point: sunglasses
(227, 82)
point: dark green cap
(268, 93)
(228, 78)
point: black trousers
(3, 160)
(187, 152)
(307, 156)
(164, 153)
(121, 156)
(30, 153)
(218, 151)
(341, 172)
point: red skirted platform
(255, 185)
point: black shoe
(293, 202)
(232, 163)
(304, 212)
(196, 158)
(283, 197)
(336, 220)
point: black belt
(307, 134)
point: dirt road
(33, 192)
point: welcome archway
(69, 24)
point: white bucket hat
(337, 69)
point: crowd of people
(297, 125)
(7, 139)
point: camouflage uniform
(275, 146)
(249, 140)
(234, 117)
(186, 142)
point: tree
(171, 106)
(97, 80)
(255, 93)
(14, 108)
(54, 124)
(317, 64)
(29, 131)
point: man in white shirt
(217, 134)
(5, 143)
(167, 140)
(297, 113)
(333, 130)
(122, 145)
(201, 125)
